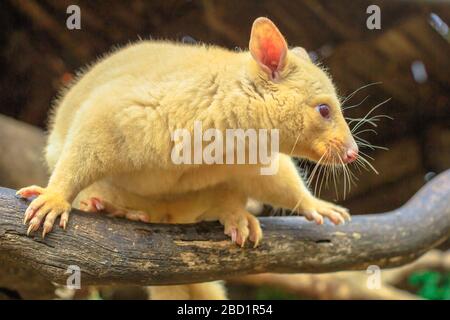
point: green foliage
(431, 285)
(95, 295)
(270, 293)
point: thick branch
(117, 251)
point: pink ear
(268, 46)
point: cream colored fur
(110, 138)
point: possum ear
(268, 47)
(301, 52)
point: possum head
(299, 98)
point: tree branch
(350, 284)
(118, 251)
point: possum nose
(351, 155)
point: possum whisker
(368, 163)
(308, 182)
(373, 119)
(357, 166)
(326, 178)
(361, 120)
(335, 182)
(345, 176)
(323, 167)
(369, 145)
(332, 170)
(302, 168)
(359, 139)
(342, 167)
(353, 177)
(359, 163)
(359, 89)
(365, 143)
(316, 166)
(295, 144)
(306, 169)
(294, 209)
(365, 154)
(328, 172)
(365, 118)
(365, 130)
(317, 179)
(355, 105)
(362, 161)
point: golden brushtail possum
(110, 137)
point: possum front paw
(45, 208)
(241, 226)
(315, 209)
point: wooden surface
(118, 251)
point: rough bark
(117, 251)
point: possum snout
(351, 152)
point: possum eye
(324, 110)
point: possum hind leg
(196, 291)
(95, 204)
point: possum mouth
(331, 153)
(336, 152)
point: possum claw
(242, 226)
(44, 209)
(316, 210)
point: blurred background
(407, 61)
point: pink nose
(351, 156)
